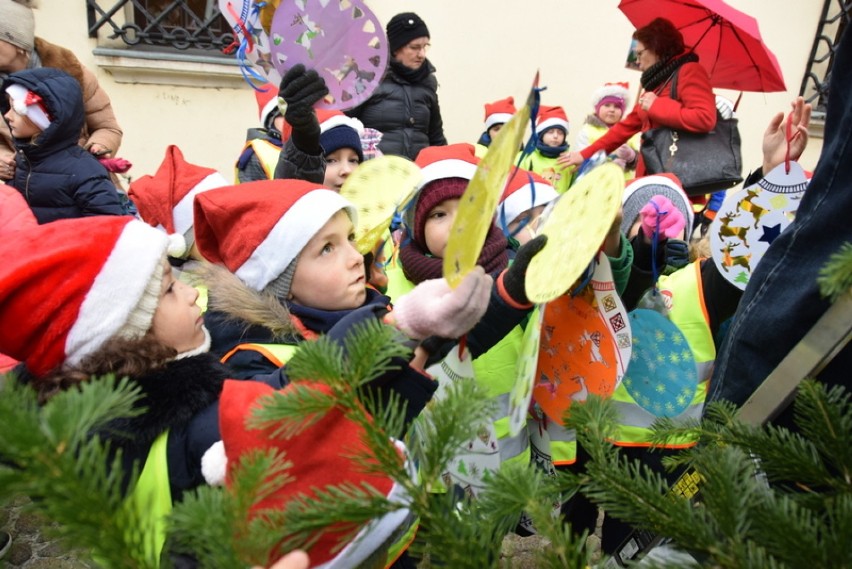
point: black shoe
(5, 543)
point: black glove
(677, 253)
(514, 279)
(301, 90)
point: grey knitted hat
(640, 191)
(17, 25)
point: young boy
(522, 203)
(551, 132)
(609, 102)
(44, 110)
(497, 114)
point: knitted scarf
(660, 72)
(418, 265)
(411, 75)
(550, 151)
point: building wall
(483, 51)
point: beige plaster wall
(483, 49)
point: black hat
(403, 28)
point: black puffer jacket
(404, 108)
(58, 178)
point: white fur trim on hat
(497, 118)
(182, 213)
(118, 290)
(35, 113)
(612, 90)
(551, 123)
(521, 200)
(342, 120)
(290, 234)
(450, 168)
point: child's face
(21, 126)
(330, 270)
(177, 321)
(438, 224)
(553, 137)
(610, 113)
(492, 132)
(529, 220)
(339, 164)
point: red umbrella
(727, 41)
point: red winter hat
(29, 104)
(165, 199)
(69, 286)
(499, 112)
(257, 229)
(321, 456)
(524, 190)
(551, 117)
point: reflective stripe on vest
(152, 501)
(278, 354)
(688, 313)
(552, 443)
(267, 155)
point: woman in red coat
(661, 55)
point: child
(551, 132)
(259, 156)
(522, 203)
(117, 309)
(340, 139)
(497, 114)
(297, 275)
(609, 102)
(44, 110)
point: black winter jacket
(58, 178)
(405, 111)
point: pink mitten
(661, 210)
(435, 309)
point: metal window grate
(834, 19)
(163, 25)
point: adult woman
(661, 55)
(19, 50)
(404, 108)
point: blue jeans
(782, 300)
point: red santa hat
(339, 131)
(499, 112)
(322, 455)
(165, 199)
(611, 93)
(257, 229)
(69, 286)
(524, 190)
(29, 104)
(267, 102)
(551, 117)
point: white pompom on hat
(29, 104)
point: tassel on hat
(257, 229)
(72, 285)
(321, 456)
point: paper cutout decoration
(662, 375)
(480, 455)
(479, 201)
(378, 188)
(342, 39)
(525, 372)
(253, 53)
(575, 229)
(577, 355)
(612, 310)
(751, 218)
(267, 10)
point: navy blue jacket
(57, 177)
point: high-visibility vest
(688, 313)
(278, 354)
(267, 154)
(151, 499)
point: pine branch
(835, 277)
(373, 349)
(288, 415)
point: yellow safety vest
(151, 499)
(689, 314)
(278, 354)
(266, 152)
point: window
(834, 19)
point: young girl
(44, 110)
(609, 102)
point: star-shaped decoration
(770, 233)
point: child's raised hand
(660, 210)
(514, 278)
(301, 89)
(435, 309)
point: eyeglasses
(418, 47)
(639, 52)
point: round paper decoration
(342, 39)
(519, 398)
(377, 188)
(577, 355)
(575, 229)
(662, 374)
(751, 218)
(479, 201)
(254, 52)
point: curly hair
(119, 356)
(661, 37)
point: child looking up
(44, 110)
(551, 132)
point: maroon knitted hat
(430, 196)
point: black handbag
(705, 162)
